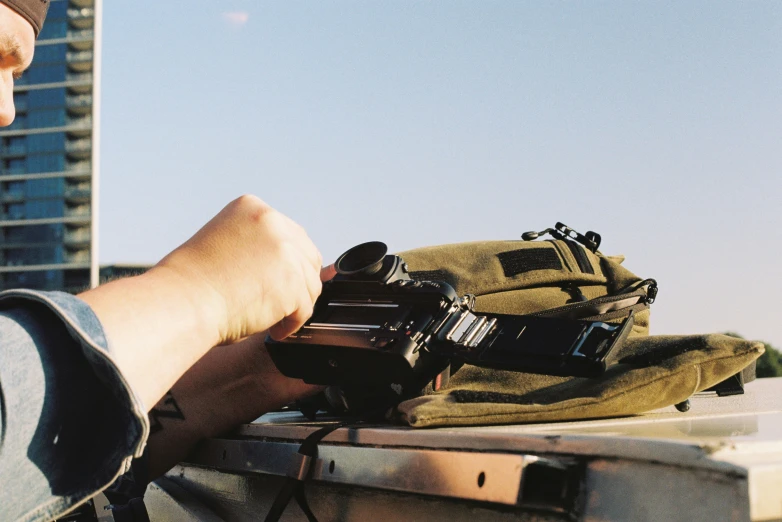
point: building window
(46, 163)
(45, 74)
(56, 25)
(34, 234)
(43, 119)
(42, 188)
(46, 98)
(50, 53)
(50, 142)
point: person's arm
(69, 423)
(79, 374)
(248, 270)
(230, 385)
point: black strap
(301, 499)
(294, 486)
(126, 494)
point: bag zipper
(558, 248)
(644, 297)
(581, 257)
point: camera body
(369, 327)
(376, 332)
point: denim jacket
(69, 422)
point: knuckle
(250, 201)
(289, 253)
(254, 207)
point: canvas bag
(564, 277)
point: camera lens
(366, 258)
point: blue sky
(656, 124)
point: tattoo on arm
(167, 408)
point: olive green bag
(565, 277)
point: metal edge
(486, 477)
(539, 443)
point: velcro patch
(524, 260)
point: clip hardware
(590, 240)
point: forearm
(157, 325)
(230, 385)
(249, 269)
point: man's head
(20, 23)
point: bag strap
(294, 484)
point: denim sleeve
(69, 422)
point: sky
(656, 124)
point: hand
(252, 268)
(230, 385)
(272, 389)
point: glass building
(49, 158)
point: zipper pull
(532, 235)
(651, 290)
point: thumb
(327, 273)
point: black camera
(377, 333)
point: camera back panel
(366, 332)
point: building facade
(49, 158)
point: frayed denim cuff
(69, 421)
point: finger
(292, 323)
(281, 330)
(327, 273)
(314, 256)
(308, 251)
(312, 280)
(305, 244)
(276, 331)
